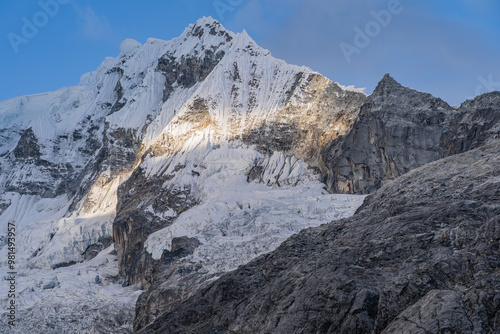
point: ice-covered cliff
(191, 156)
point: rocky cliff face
(420, 256)
(476, 123)
(400, 129)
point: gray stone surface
(420, 256)
(439, 311)
(400, 129)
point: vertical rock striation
(399, 129)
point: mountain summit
(179, 161)
(186, 158)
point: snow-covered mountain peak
(206, 33)
(165, 131)
(206, 25)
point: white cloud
(92, 25)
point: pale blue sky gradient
(450, 49)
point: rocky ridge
(399, 129)
(195, 156)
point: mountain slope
(178, 161)
(420, 256)
(191, 156)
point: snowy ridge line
(199, 115)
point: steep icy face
(150, 141)
(109, 111)
(250, 99)
(52, 137)
(81, 140)
(248, 108)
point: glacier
(70, 161)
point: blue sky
(450, 49)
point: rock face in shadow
(27, 147)
(420, 256)
(400, 129)
(477, 122)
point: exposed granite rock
(4, 204)
(118, 153)
(318, 115)
(27, 147)
(398, 129)
(477, 122)
(94, 249)
(182, 281)
(440, 311)
(134, 223)
(189, 70)
(186, 71)
(124, 146)
(420, 256)
(52, 284)
(26, 160)
(197, 119)
(120, 100)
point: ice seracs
(206, 136)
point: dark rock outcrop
(420, 256)
(477, 122)
(189, 70)
(27, 147)
(133, 223)
(400, 129)
(26, 160)
(93, 250)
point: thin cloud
(92, 25)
